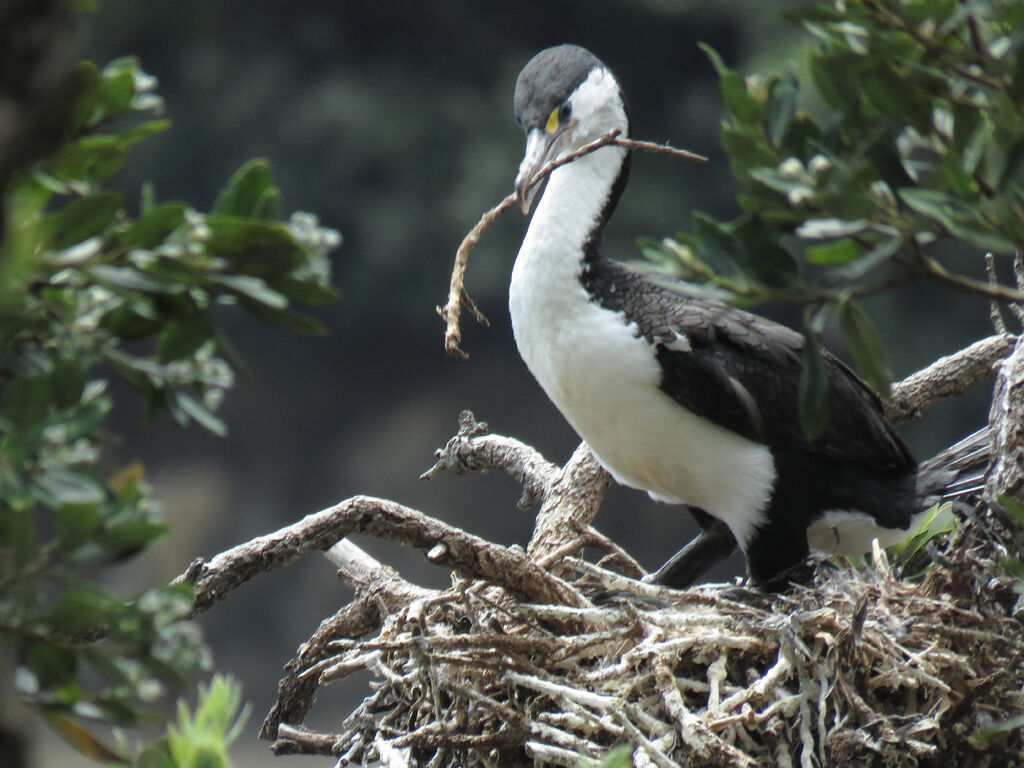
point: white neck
(545, 279)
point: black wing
(742, 371)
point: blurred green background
(392, 121)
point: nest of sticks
(542, 657)
(858, 669)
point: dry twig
(948, 376)
(451, 312)
(514, 665)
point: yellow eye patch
(552, 124)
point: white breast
(605, 380)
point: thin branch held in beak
(451, 312)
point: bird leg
(714, 543)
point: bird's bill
(541, 148)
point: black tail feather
(957, 472)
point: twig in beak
(457, 295)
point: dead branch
(1006, 419)
(571, 504)
(444, 545)
(474, 449)
(948, 376)
(451, 312)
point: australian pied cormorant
(686, 398)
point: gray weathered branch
(1006, 425)
(571, 504)
(948, 376)
(444, 545)
(474, 449)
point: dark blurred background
(392, 122)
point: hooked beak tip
(525, 194)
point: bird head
(565, 98)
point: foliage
(620, 757)
(902, 142)
(911, 555)
(1014, 564)
(200, 740)
(89, 291)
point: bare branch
(474, 449)
(994, 307)
(933, 268)
(571, 504)
(444, 545)
(363, 572)
(1006, 420)
(295, 693)
(1018, 275)
(947, 377)
(295, 740)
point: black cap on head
(548, 79)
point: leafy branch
(90, 290)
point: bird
(683, 396)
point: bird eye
(552, 124)
(559, 116)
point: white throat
(604, 378)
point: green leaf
(153, 226)
(82, 218)
(82, 611)
(199, 413)
(938, 522)
(68, 382)
(74, 525)
(310, 292)
(866, 347)
(746, 150)
(26, 399)
(957, 217)
(124, 539)
(781, 108)
(249, 193)
(183, 335)
(877, 256)
(131, 279)
(98, 157)
(252, 288)
(18, 532)
(985, 737)
(290, 321)
(838, 252)
(66, 487)
(773, 266)
(836, 78)
(1013, 508)
(813, 393)
(620, 757)
(118, 89)
(52, 665)
(261, 249)
(718, 245)
(744, 107)
(87, 110)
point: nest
(858, 668)
(506, 668)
